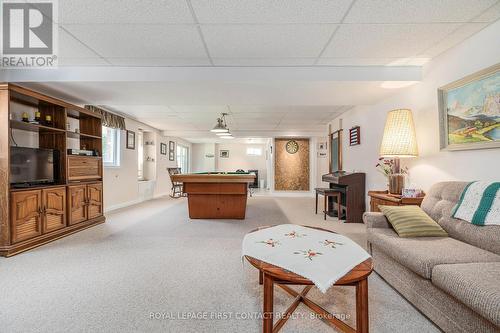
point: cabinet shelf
(34, 127)
(82, 135)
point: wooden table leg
(326, 206)
(316, 202)
(261, 278)
(268, 304)
(362, 306)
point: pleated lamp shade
(399, 135)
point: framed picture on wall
(171, 150)
(163, 148)
(469, 111)
(130, 140)
(224, 154)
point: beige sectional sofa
(455, 280)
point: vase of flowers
(395, 178)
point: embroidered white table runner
(320, 256)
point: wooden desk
(216, 195)
(383, 198)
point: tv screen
(32, 165)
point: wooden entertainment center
(38, 214)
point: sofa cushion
(412, 221)
(438, 204)
(421, 254)
(476, 285)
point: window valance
(108, 119)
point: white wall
(121, 186)
(238, 158)
(203, 157)
(476, 53)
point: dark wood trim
(24, 232)
(49, 99)
(339, 147)
(4, 165)
(8, 251)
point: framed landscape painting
(469, 111)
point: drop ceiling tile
(124, 11)
(405, 61)
(490, 15)
(264, 61)
(67, 62)
(155, 62)
(141, 41)
(262, 109)
(266, 41)
(70, 47)
(214, 109)
(267, 11)
(257, 115)
(462, 33)
(299, 128)
(416, 11)
(137, 109)
(385, 41)
(259, 126)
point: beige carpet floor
(151, 269)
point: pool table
(216, 195)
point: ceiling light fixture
(221, 126)
(226, 137)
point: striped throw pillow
(412, 221)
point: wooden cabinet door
(94, 200)
(26, 215)
(54, 208)
(77, 204)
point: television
(33, 166)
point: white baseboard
(133, 202)
(292, 194)
(121, 205)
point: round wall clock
(292, 147)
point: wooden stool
(327, 192)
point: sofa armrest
(375, 220)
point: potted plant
(395, 180)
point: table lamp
(399, 141)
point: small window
(110, 147)
(253, 151)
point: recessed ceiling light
(227, 137)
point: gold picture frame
(466, 112)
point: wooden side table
(384, 198)
(271, 275)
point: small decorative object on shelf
(355, 136)
(25, 117)
(48, 120)
(395, 180)
(37, 116)
(412, 193)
